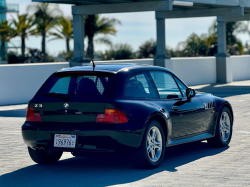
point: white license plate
(65, 140)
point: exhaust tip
(40, 148)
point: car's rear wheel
(44, 157)
(152, 148)
(224, 129)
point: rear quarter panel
(140, 110)
(212, 117)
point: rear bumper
(87, 140)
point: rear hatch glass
(72, 97)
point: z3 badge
(38, 105)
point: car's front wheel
(152, 148)
(44, 157)
(224, 129)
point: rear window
(80, 84)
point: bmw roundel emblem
(66, 105)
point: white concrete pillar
(224, 69)
(79, 34)
(161, 38)
(222, 40)
(160, 43)
(223, 62)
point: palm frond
(104, 40)
(56, 36)
(64, 29)
(46, 16)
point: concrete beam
(122, 7)
(201, 13)
(244, 3)
(220, 2)
(234, 18)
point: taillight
(112, 116)
(31, 115)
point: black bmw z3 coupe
(131, 108)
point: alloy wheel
(154, 144)
(225, 126)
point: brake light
(31, 115)
(112, 116)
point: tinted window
(165, 85)
(140, 86)
(182, 87)
(92, 85)
(97, 80)
(61, 86)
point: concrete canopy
(245, 3)
(233, 9)
(224, 10)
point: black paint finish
(187, 116)
(183, 120)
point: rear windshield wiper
(58, 95)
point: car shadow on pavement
(221, 90)
(104, 171)
(13, 113)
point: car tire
(151, 151)
(224, 129)
(44, 157)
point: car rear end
(70, 112)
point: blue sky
(136, 28)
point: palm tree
(64, 31)
(234, 45)
(22, 28)
(94, 25)
(6, 34)
(195, 45)
(45, 17)
(119, 52)
(147, 49)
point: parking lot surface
(194, 164)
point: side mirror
(190, 93)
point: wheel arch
(228, 105)
(163, 121)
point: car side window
(182, 87)
(165, 85)
(140, 86)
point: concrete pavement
(194, 164)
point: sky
(136, 28)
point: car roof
(112, 67)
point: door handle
(175, 108)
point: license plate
(65, 140)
